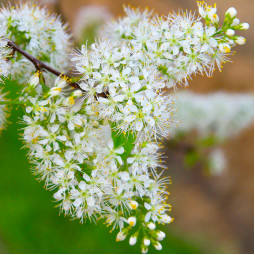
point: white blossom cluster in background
(38, 33)
(96, 142)
(221, 115)
(90, 19)
(217, 161)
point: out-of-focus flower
(89, 21)
(219, 114)
(217, 162)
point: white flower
(132, 221)
(133, 205)
(224, 48)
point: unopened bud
(231, 12)
(77, 93)
(151, 226)
(158, 246)
(34, 81)
(121, 236)
(160, 235)
(132, 240)
(230, 32)
(144, 250)
(240, 40)
(244, 26)
(235, 22)
(146, 241)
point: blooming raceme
(96, 142)
(37, 32)
(179, 45)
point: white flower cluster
(179, 45)
(98, 146)
(219, 114)
(135, 97)
(38, 33)
(4, 111)
(4, 54)
(95, 170)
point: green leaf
(125, 140)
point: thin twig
(37, 63)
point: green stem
(12, 102)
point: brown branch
(37, 63)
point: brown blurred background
(216, 211)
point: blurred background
(212, 205)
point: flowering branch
(98, 146)
(39, 65)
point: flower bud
(34, 81)
(146, 241)
(132, 221)
(232, 12)
(121, 236)
(235, 22)
(158, 246)
(151, 226)
(61, 83)
(240, 40)
(160, 235)
(244, 26)
(132, 240)
(144, 249)
(133, 205)
(77, 93)
(230, 32)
